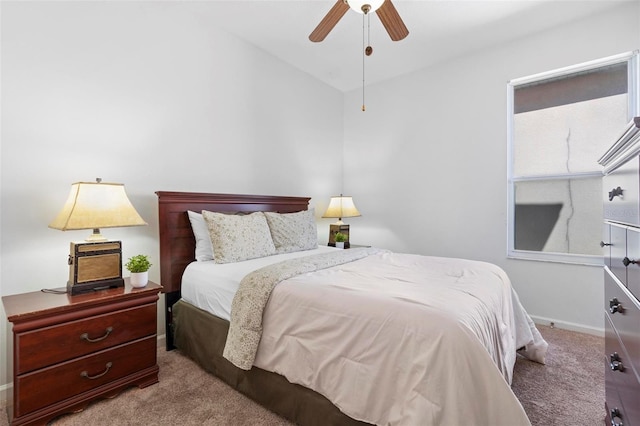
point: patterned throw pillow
(235, 238)
(293, 231)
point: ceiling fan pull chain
(369, 49)
(363, 56)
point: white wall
(148, 95)
(426, 163)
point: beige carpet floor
(567, 391)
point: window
(559, 124)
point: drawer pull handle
(615, 192)
(97, 376)
(615, 306)
(626, 261)
(85, 336)
(615, 414)
(602, 244)
(616, 362)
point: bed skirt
(201, 336)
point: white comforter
(396, 339)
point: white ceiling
(438, 30)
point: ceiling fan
(385, 10)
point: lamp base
(96, 236)
(94, 266)
(334, 229)
(80, 288)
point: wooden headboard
(177, 243)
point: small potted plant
(340, 239)
(139, 267)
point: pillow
(293, 231)
(235, 238)
(204, 251)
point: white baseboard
(568, 326)
(162, 340)
(4, 392)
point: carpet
(567, 391)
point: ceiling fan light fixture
(361, 6)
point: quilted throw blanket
(245, 328)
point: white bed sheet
(211, 286)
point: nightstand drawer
(53, 384)
(51, 345)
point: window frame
(633, 108)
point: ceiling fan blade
(392, 21)
(329, 21)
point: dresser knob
(626, 261)
(615, 362)
(97, 376)
(602, 244)
(615, 306)
(616, 417)
(615, 192)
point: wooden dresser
(69, 350)
(621, 244)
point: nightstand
(70, 350)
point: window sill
(573, 259)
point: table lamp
(339, 207)
(96, 263)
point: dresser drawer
(619, 373)
(613, 403)
(633, 254)
(53, 384)
(623, 207)
(625, 318)
(606, 244)
(618, 251)
(50, 345)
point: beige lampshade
(95, 205)
(341, 206)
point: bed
(418, 364)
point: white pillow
(204, 250)
(235, 238)
(293, 231)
